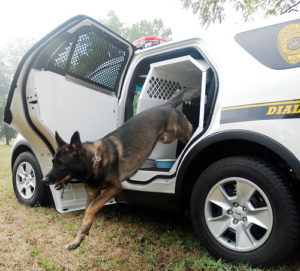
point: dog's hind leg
(90, 212)
(177, 127)
(184, 129)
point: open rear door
(68, 81)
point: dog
(103, 164)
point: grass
(122, 238)
(5, 170)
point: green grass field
(123, 237)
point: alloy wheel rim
(238, 214)
(25, 180)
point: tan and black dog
(105, 163)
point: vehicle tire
(27, 180)
(243, 211)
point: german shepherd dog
(105, 163)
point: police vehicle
(239, 174)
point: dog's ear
(59, 140)
(75, 141)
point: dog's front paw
(72, 246)
(76, 242)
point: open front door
(68, 81)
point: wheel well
(17, 151)
(218, 151)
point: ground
(123, 237)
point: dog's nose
(46, 179)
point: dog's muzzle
(61, 184)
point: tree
(113, 23)
(12, 54)
(4, 80)
(138, 30)
(9, 59)
(211, 11)
(145, 28)
(5, 131)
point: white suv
(239, 173)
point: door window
(92, 56)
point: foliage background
(210, 11)
(10, 56)
(142, 28)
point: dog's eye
(57, 162)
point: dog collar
(64, 179)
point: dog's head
(68, 162)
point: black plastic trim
(31, 124)
(287, 109)
(151, 179)
(151, 199)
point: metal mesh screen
(93, 56)
(60, 58)
(162, 89)
(97, 59)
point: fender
(253, 137)
(20, 146)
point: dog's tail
(186, 94)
